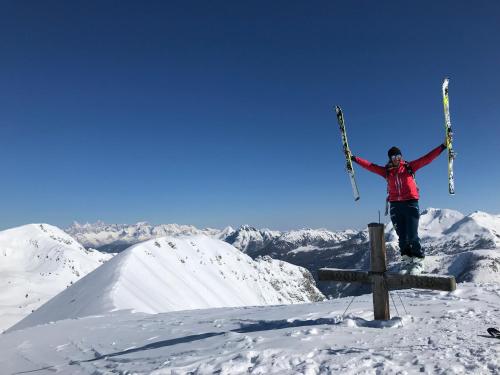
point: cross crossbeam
(393, 281)
(381, 280)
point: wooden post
(381, 280)
(378, 268)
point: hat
(393, 151)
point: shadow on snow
(261, 325)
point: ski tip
(494, 332)
(338, 109)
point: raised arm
(427, 158)
(369, 165)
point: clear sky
(217, 113)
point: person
(403, 196)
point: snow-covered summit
(434, 221)
(38, 261)
(179, 273)
(476, 230)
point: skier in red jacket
(403, 195)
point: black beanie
(393, 151)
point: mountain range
(444, 233)
(114, 238)
(441, 230)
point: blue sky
(221, 113)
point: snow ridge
(179, 273)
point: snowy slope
(434, 333)
(434, 221)
(179, 273)
(118, 237)
(37, 261)
(476, 230)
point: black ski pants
(405, 216)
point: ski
(449, 137)
(494, 332)
(347, 152)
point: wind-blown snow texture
(179, 273)
(440, 333)
(37, 261)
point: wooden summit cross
(383, 281)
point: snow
(476, 225)
(250, 240)
(37, 261)
(185, 302)
(179, 273)
(316, 235)
(432, 224)
(434, 333)
(434, 221)
(100, 235)
(448, 231)
(441, 230)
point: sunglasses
(396, 157)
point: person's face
(396, 159)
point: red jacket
(401, 185)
